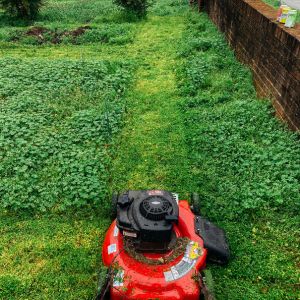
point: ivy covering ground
(57, 122)
(239, 150)
(246, 167)
(61, 107)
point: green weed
(57, 123)
(245, 164)
(109, 34)
(239, 168)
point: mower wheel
(207, 286)
(114, 200)
(195, 203)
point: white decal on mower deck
(111, 248)
(175, 273)
(168, 276)
(116, 231)
(192, 252)
(119, 279)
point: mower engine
(157, 248)
(147, 217)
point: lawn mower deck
(157, 248)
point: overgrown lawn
(57, 121)
(246, 166)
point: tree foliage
(138, 7)
(27, 9)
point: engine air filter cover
(155, 208)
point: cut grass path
(152, 151)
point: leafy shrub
(139, 7)
(57, 121)
(22, 8)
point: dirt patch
(44, 35)
(36, 31)
(79, 31)
(177, 250)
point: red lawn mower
(158, 247)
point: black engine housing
(147, 217)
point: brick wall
(271, 51)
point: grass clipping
(177, 250)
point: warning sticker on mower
(192, 252)
(119, 279)
(168, 276)
(111, 248)
(116, 231)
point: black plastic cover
(147, 215)
(214, 240)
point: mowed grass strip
(245, 165)
(50, 257)
(152, 151)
